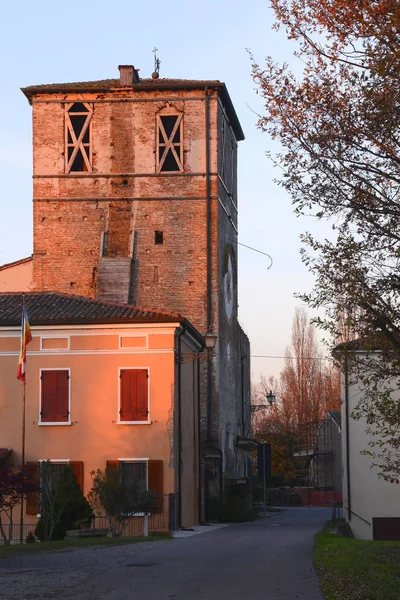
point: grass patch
(71, 543)
(350, 569)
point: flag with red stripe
(26, 337)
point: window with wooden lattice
(169, 142)
(78, 150)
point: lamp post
(270, 399)
(210, 339)
(254, 408)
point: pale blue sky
(47, 41)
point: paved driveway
(266, 560)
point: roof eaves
(16, 263)
(150, 85)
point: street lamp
(270, 399)
(255, 407)
(210, 340)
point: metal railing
(16, 533)
(163, 520)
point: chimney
(128, 75)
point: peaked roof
(16, 263)
(336, 417)
(51, 308)
(112, 85)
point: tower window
(169, 143)
(78, 151)
(158, 237)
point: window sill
(57, 423)
(134, 422)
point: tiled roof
(16, 263)
(336, 417)
(376, 342)
(108, 85)
(50, 308)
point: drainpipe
(209, 262)
(346, 410)
(242, 392)
(199, 488)
(179, 422)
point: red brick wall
(126, 197)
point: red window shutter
(141, 397)
(55, 396)
(47, 406)
(77, 468)
(61, 389)
(112, 465)
(155, 478)
(126, 395)
(32, 498)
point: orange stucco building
(105, 382)
(17, 276)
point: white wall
(370, 495)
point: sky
(47, 41)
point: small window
(135, 474)
(145, 475)
(104, 244)
(47, 474)
(158, 237)
(54, 401)
(134, 396)
(78, 152)
(169, 143)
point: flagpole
(23, 460)
(26, 337)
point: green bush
(30, 538)
(62, 505)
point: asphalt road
(266, 560)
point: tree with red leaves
(14, 486)
(307, 387)
(337, 119)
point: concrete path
(266, 560)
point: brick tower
(135, 200)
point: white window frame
(52, 423)
(119, 422)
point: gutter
(209, 258)
(199, 458)
(347, 419)
(181, 332)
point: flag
(26, 337)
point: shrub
(118, 499)
(30, 538)
(62, 504)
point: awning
(247, 444)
